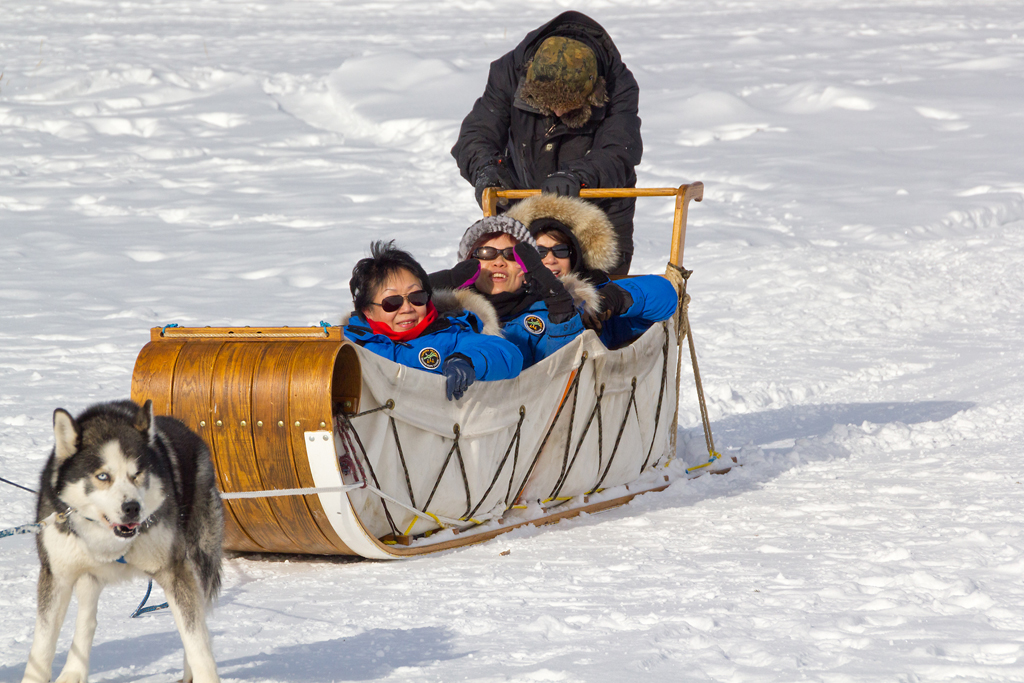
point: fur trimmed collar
(547, 96)
(451, 303)
(583, 294)
(594, 232)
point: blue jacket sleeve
(654, 300)
(492, 357)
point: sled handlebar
(683, 195)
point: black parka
(532, 145)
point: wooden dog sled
(387, 469)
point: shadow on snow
(772, 429)
(369, 655)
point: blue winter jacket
(492, 357)
(536, 336)
(654, 300)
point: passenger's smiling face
(558, 266)
(499, 274)
(407, 316)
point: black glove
(558, 301)
(459, 372)
(492, 174)
(463, 275)
(563, 183)
(614, 300)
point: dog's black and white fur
(123, 484)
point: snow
(857, 308)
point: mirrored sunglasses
(559, 250)
(490, 253)
(390, 304)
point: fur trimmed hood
(589, 224)
(452, 303)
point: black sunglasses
(490, 253)
(559, 250)
(390, 304)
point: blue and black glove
(459, 372)
(563, 183)
(558, 301)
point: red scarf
(387, 331)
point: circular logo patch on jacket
(534, 324)
(430, 358)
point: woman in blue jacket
(499, 259)
(578, 244)
(396, 317)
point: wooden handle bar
(596, 193)
(683, 195)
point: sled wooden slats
(309, 402)
(231, 440)
(154, 375)
(190, 403)
(274, 457)
(243, 390)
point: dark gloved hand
(463, 275)
(459, 372)
(563, 183)
(558, 301)
(614, 300)
(492, 174)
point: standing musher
(558, 113)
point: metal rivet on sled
(219, 423)
(242, 423)
(280, 423)
(298, 424)
(259, 423)
(202, 423)
(327, 437)
(310, 437)
(322, 425)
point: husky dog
(129, 494)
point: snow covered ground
(858, 304)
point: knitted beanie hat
(493, 224)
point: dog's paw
(72, 676)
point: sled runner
(389, 470)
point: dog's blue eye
(103, 476)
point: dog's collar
(65, 513)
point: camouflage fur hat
(563, 75)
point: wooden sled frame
(262, 407)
